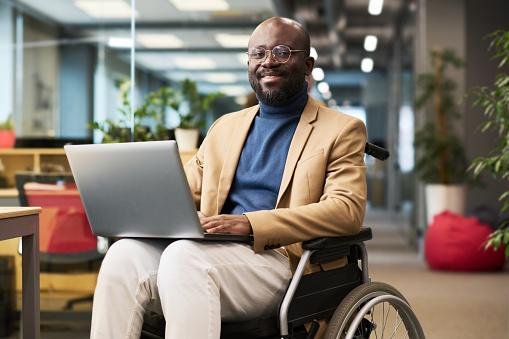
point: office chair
(66, 240)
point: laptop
(138, 190)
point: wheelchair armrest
(331, 248)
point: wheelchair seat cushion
(455, 242)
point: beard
(291, 85)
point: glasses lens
(281, 53)
(257, 54)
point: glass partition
(63, 66)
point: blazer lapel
(300, 138)
(233, 155)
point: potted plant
(192, 114)
(151, 112)
(494, 102)
(441, 161)
(7, 135)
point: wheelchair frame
(303, 303)
(334, 248)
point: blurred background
(81, 71)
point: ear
(310, 62)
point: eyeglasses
(280, 54)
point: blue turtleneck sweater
(262, 161)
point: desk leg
(30, 305)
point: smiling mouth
(270, 75)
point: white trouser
(196, 283)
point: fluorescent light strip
(370, 42)
(116, 42)
(159, 40)
(233, 91)
(375, 7)
(232, 40)
(200, 5)
(195, 63)
(243, 59)
(220, 77)
(106, 9)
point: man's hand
(225, 223)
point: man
(286, 171)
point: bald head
(294, 31)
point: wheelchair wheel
(374, 310)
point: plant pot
(187, 139)
(440, 198)
(7, 138)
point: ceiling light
(115, 42)
(243, 59)
(220, 77)
(232, 40)
(195, 63)
(105, 9)
(323, 87)
(313, 53)
(233, 91)
(370, 42)
(367, 65)
(200, 5)
(327, 95)
(318, 74)
(375, 7)
(159, 40)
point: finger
(214, 219)
(212, 224)
(219, 229)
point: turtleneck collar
(292, 107)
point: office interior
(65, 63)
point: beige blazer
(323, 188)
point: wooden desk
(24, 222)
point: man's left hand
(226, 223)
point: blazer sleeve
(340, 210)
(194, 174)
(195, 166)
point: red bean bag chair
(455, 242)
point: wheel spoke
(365, 314)
(373, 322)
(384, 322)
(397, 325)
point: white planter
(187, 139)
(444, 197)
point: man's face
(274, 82)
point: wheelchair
(354, 307)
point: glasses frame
(260, 61)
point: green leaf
(505, 195)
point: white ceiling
(66, 11)
(162, 12)
(337, 37)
